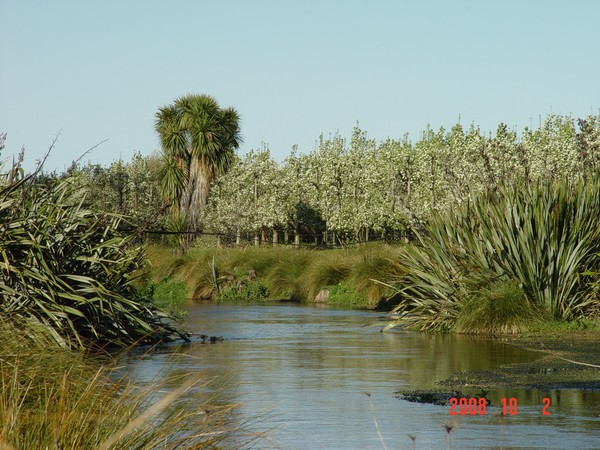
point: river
(302, 374)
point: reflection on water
(303, 372)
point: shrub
(253, 290)
(69, 270)
(544, 236)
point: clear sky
(293, 69)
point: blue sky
(293, 69)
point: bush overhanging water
(544, 237)
(68, 270)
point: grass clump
(501, 308)
(284, 273)
(373, 263)
(284, 277)
(51, 397)
(325, 269)
(279, 273)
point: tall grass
(284, 277)
(501, 308)
(285, 273)
(57, 398)
(325, 269)
(544, 236)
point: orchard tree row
(128, 188)
(347, 191)
(363, 189)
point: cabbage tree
(198, 140)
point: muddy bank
(566, 360)
(565, 363)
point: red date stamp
(474, 406)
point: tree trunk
(263, 235)
(200, 195)
(275, 238)
(194, 197)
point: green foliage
(326, 268)
(251, 291)
(341, 294)
(278, 273)
(552, 326)
(169, 292)
(543, 235)
(129, 188)
(502, 308)
(373, 263)
(175, 227)
(342, 192)
(284, 275)
(354, 191)
(69, 270)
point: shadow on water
(302, 373)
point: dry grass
(57, 398)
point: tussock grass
(286, 273)
(164, 263)
(284, 278)
(327, 268)
(374, 264)
(56, 398)
(502, 308)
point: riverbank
(341, 277)
(53, 397)
(569, 359)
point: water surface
(303, 373)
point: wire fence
(305, 240)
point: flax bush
(543, 235)
(69, 270)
